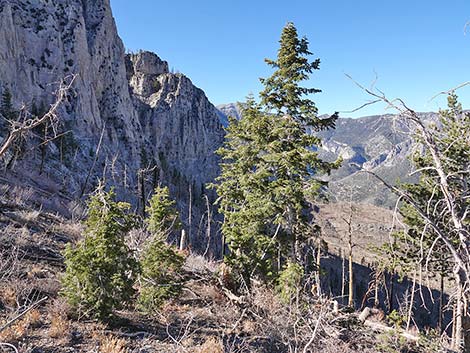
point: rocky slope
(145, 117)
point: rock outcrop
(144, 116)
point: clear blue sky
(417, 47)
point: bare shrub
(199, 264)
(72, 229)
(136, 240)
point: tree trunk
(183, 240)
(390, 291)
(141, 180)
(343, 279)
(376, 288)
(351, 278)
(190, 216)
(441, 304)
(457, 343)
(412, 300)
(318, 263)
(461, 338)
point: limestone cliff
(145, 116)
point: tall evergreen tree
(270, 166)
(245, 194)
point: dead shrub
(215, 295)
(35, 271)
(15, 332)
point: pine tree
(100, 269)
(162, 214)
(161, 264)
(269, 167)
(245, 196)
(6, 110)
(283, 92)
(6, 107)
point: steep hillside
(124, 112)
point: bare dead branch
(18, 128)
(20, 315)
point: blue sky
(417, 48)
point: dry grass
(211, 345)
(21, 328)
(73, 230)
(197, 263)
(110, 344)
(20, 195)
(60, 325)
(29, 215)
(8, 295)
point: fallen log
(377, 326)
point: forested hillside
(135, 216)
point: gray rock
(147, 116)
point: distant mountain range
(226, 110)
(379, 143)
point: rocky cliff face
(145, 116)
(170, 108)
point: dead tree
(447, 223)
(349, 223)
